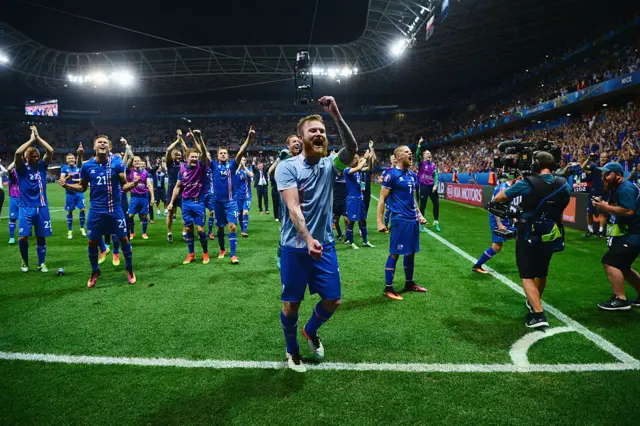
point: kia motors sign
(468, 194)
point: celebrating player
(399, 186)
(71, 172)
(106, 174)
(340, 205)
(174, 163)
(191, 184)
(160, 190)
(226, 210)
(355, 204)
(308, 248)
(428, 177)
(243, 194)
(140, 197)
(34, 207)
(209, 196)
(14, 201)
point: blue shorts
(356, 210)
(298, 269)
(210, 202)
(139, 205)
(226, 212)
(14, 208)
(193, 212)
(74, 200)
(161, 195)
(243, 204)
(36, 217)
(106, 223)
(405, 237)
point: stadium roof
(479, 40)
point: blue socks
(210, 224)
(204, 242)
(221, 238)
(363, 229)
(349, 236)
(320, 316)
(24, 250)
(408, 263)
(82, 216)
(190, 244)
(116, 244)
(70, 221)
(41, 249)
(102, 244)
(145, 223)
(245, 222)
(390, 271)
(233, 239)
(486, 256)
(128, 255)
(12, 228)
(131, 223)
(93, 257)
(290, 328)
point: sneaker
(166, 212)
(12, 240)
(267, 212)
(339, 238)
(132, 236)
(536, 320)
(211, 236)
(368, 244)
(222, 254)
(295, 363)
(116, 260)
(412, 286)
(145, 236)
(347, 242)
(103, 256)
(23, 266)
(205, 258)
(600, 235)
(479, 269)
(158, 213)
(191, 257)
(94, 277)
(392, 295)
(244, 235)
(170, 238)
(278, 262)
(437, 225)
(528, 305)
(69, 235)
(588, 234)
(615, 304)
(43, 268)
(277, 220)
(131, 277)
(152, 222)
(184, 236)
(234, 260)
(636, 302)
(83, 232)
(315, 345)
(261, 212)
(175, 217)
(354, 246)
(423, 229)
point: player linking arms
(356, 210)
(174, 161)
(73, 199)
(106, 174)
(191, 185)
(399, 186)
(140, 196)
(243, 194)
(34, 206)
(308, 248)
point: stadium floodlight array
(4, 59)
(123, 78)
(333, 72)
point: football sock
(70, 221)
(116, 244)
(245, 222)
(590, 228)
(128, 254)
(221, 238)
(82, 218)
(41, 249)
(102, 244)
(204, 242)
(486, 256)
(24, 249)
(319, 316)
(190, 243)
(132, 228)
(363, 229)
(349, 236)
(93, 257)
(390, 270)
(145, 223)
(290, 328)
(210, 224)
(232, 242)
(408, 262)
(12, 228)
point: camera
(505, 211)
(519, 155)
(303, 78)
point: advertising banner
(467, 194)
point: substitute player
(14, 201)
(106, 174)
(340, 205)
(190, 183)
(73, 200)
(34, 207)
(174, 162)
(226, 209)
(140, 197)
(428, 178)
(243, 195)
(356, 210)
(308, 248)
(399, 186)
(159, 185)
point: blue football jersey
(209, 185)
(242, 185)
(73, 175)
(106, 191)
(354, 190)
(223, 179)
(33, 184)
(401, 200)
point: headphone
(535, 164)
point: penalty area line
(329, 366)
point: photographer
(623, 236)
(540, 230)
(593, 177)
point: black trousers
(275, 200)
(429, 192)
(263, 193)
(1, 198)
(366, 197)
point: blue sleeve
(388, 181)
(84, 172)
(233, 165)
(64, 169)
(520, 188)
(627, 197)
(42, 166)
(179, 177)
(346, 171)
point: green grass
(227, 312)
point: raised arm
(48, 148)
(358, 167)
(171, 147)
(200, 146)
(250, 173)
(80, 155)
(272, 169)
(18, 157)
(350, 146)
(243, 149)
(128, 154)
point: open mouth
(318, 142)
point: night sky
(195, 22)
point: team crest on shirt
(386, 178)
(93, 172)
(401, 179)
(184, 174)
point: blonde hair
(398, 149)
(314, 117)
(102, 136)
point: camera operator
(623, 236)
(593, 177)
(540, 230)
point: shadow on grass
(487, 328)
(354, 304)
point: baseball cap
(612, 166)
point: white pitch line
(518, 352)
(335, 366)
(600, 341)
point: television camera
(519, 155)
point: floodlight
(398, 47)
(4, 59)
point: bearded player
(308, 248)
(106, 175)
(73, 200)
(174, 163)
(398, 187)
